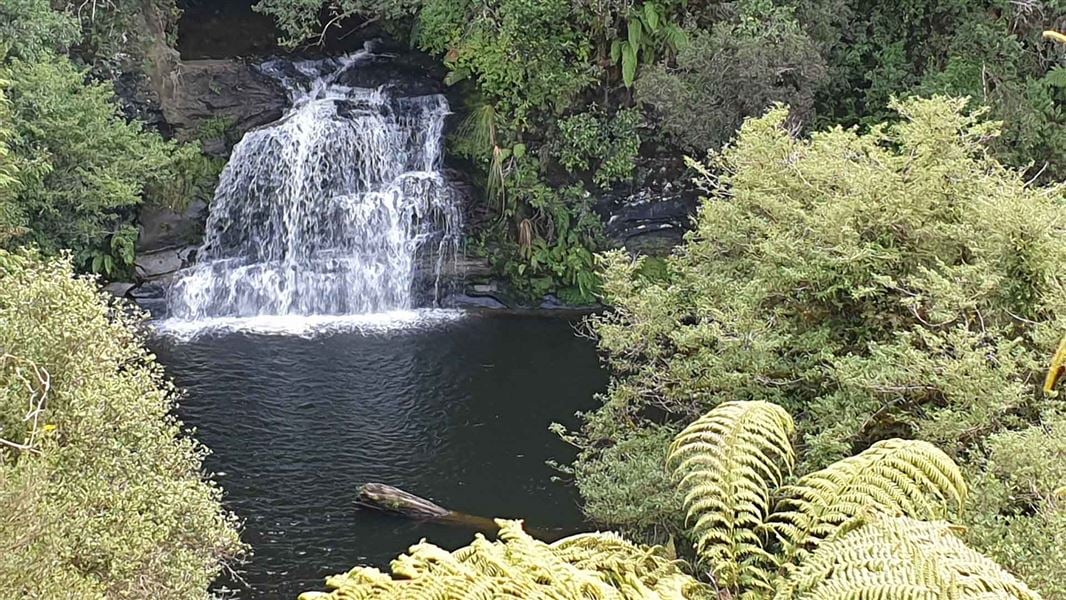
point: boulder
(467, 301)
(230, 94)
(119, 289)
(405, 73)
(162, 228)
(151, 266)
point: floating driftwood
(393, 500)
(390, 499)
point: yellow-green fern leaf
(588, 566)
(893, 477)
(881, 557)
(728, 463)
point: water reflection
(457, 412)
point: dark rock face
(648, 221)
(119, 289)
(406, 73)
(230, 93)
(162, 228)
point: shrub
(1019, 513)
(735, 70)
(30, 29)
(606, 146)
(85, 168)
(526, 57)
(987, 49)
(101, 494)
(894, 283)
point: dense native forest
(834, 387)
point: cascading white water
(329, 210)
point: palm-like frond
(729, 462)
(879, 557)
(893, 477)
(586, 566)
(479, 129)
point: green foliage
(988, 49)
(735, 70)
(898, 557)
(728, 462)
(11, 222)
(526, 56)
(606, 145)
(851, 529)
(732, 462)
(30, 29)
(299, 20)
(648, 35)
(101, 493)
(84, 167)
(587, 565)
(554, 231)
(895, 283)
(1016, 515)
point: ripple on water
(450, 406)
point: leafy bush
(735, 70)
(607, 146)
(553, 231)
(101, 494)
(647, 35)
(85, 168)
(988, 49)
(894, 283)
(526, 56)
(1019, 513)
(30, 29)
(11, 222)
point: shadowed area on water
(457, 411)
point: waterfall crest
(328, 211)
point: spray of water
(328, 211)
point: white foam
(309, 325)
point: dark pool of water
(457, 412)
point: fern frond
(728, 462)
(479, 129)
(893, 477)
(883, 557)
(586, 566)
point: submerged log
(393, 500)
(389, 499)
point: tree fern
(729, 462)
(586, 566)
(878, 557)
(893, 477)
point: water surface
(456, 410)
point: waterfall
(329, 211)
